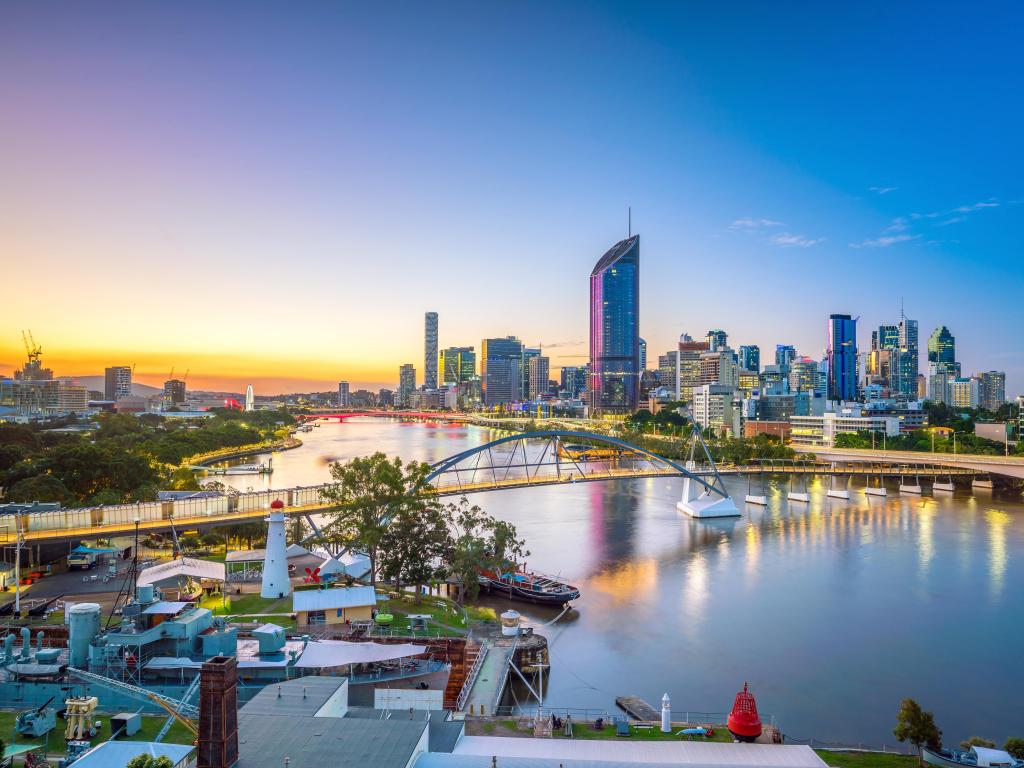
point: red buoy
(277, 504)
(744, 723)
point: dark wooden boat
(530, 587)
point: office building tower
(942, 351)
(174, 392)
(803, 375)
(573, 380)
(750, 358)
(117, 382)
(717, 339)
(964, 393)
(457, 364)
(539, 381)
(529, 353)
(907, 362)
(406, 385)
(688, 366)
(992, 390)
(842, 358)
(344, 399)
(717, 368)
(614, 329)
(501, 371)
(430, 351)
(668, 371)
(643, 355)
(784, 356)
(250, 399)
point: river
(833, 611)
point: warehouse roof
(117, 754)
(338, 653)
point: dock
(491, 678)
(638, 709)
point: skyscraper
(842, 358)
(117, 382)
(501, 373)
(942, 350)
(344, 398)
(784, 356)
(540, 377)
(458, 364)
(717, 339)
(250, 399)
(643, 355)
(174, 392)
(615, 329)
(750, 358)
(430, 351)
(574, 380)
(529, 353)
(907, 362)
(406, 384)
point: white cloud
(882, 190)
(883, 242)
(789, 240)
(754, 224)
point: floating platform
(762, 500)
(982, 483)
(914, 489)
(875, 491)
(838, 494)
(638, 709)
(797, 496)
(947, 487)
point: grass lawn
(151, 725)
(867, 759)
(247, 604)
(445, 615)
(586, 731)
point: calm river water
(833, 610)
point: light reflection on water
(834, 610)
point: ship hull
(530, 596)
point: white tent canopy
(186, 566)
(338, 653)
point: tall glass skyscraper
(501, 370)
(430, 351)
(615, 329)
(842, 358)
(942, 350)
(750, 358)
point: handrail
(474, 671)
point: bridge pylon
(702, 501)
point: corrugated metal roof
(117, 754)
(302, 697)
(165, 607)
(336, 597)
(691, 753)
(185, 566)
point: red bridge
(409, 415)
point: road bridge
(519, 460)
(1009, 466)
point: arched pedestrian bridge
(550, 457)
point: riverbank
(237, 452)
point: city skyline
(296, 226)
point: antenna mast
(629, 216)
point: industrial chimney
(218, 713)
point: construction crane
(171, 374)
(33, 350)
(189, 693)
(184, 713)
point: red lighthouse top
(744, 722)
(277, 504)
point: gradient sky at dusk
(277, 192)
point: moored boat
(529, 586)
(975, 757)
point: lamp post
(135, 558)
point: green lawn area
(867, 759)
(586, 731)
(151, 725)
(250, 604)
(445, 615)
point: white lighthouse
(275, 564)
(250, 399)
(666, 714)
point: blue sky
(334, 170)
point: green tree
(412, 545)
(1015, 746)
(149, 761)
(977, 741)
(918, 727)
(478, 543)
(39, 488)
(369, 492)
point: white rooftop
(185, 566)
(335, 597)
(117, 754)
(693, 753)
(338, 653)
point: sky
(276, 192)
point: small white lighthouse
(666, 714)
(275, 564)
(250, 399)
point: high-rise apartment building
(689, 367)
(992, 390)
(529, 353)
(501, 371)
(842, 358)
(406, 385)
(539, 377)
(117, 382)
(614, 329)
(643, 355)
(174, 392)
(964, 393)
(750, 358)
(908, 360)
(803, 375)
(430, 351)
(784, 356)
(344, 398)
(457, 364)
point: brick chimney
(218, 713)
